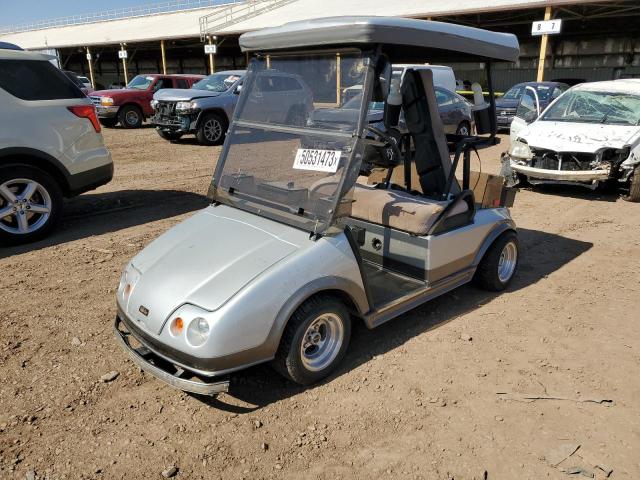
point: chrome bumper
(565, 175)
(153, 364)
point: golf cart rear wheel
(30, 204)
(314, 341)
(634, 187)
(499, 264)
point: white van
(442, 76)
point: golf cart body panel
(292, 225)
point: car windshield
(140, 82)
(356, 102)
(291, 150)
(595, 107)
(219, 82)
(514, 93)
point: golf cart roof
(426, 37)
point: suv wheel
(30, 204)
(130, 116)
(464, 129)
(211, 130)
(314, 341)
(634, 187)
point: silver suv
(50, 145)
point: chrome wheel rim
(507, 262)
(131, 117)
(25, 206)
(212, 130)
(463, 130)
(322, 341)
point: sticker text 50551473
(318, 160)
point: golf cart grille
(549, 160)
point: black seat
(423, 121)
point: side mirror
(238, 90)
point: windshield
(140, 82)
(514, 93)
(595, 107)
(292, 152)
(356, 102)
(220, 82)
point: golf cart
(296, 243)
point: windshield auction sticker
(318, 160)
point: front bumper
(561, 175)
(176, 123)
(107, 112)
(164, 370)
(504, 121)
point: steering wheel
(390, 142)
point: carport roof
(185, 24)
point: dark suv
(507, 105)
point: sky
(14, 12)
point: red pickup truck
(131, 105)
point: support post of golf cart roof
(338, 79)
(90, 62)
(164, 58)
(543, 47)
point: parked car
(292, 250)
(131, 105)
(205, 109)
(589, 136)
(507, 105)
(86, 82)
(76, 80)
(50, 145)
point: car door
(527, 112)
(447, 110)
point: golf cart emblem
(144, 310)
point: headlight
(106, 101)
(191, 321)
(154, 104)
(520, 150)
(185, 106)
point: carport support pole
(338, 79)
(164, 58)
(124, 67)
(543, 47)
(90, 61)
(212, 61)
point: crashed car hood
(578, 137)
(204, 261)
(183, 94)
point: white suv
(50, 144)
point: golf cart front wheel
(499, 264)
(314, 341)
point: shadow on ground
(577, 192)
(542, 254)
(100, 213)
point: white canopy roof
(185, 24)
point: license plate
(317, 160)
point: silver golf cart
(296, 243)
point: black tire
(487, 275)
(212, 129)
(464, 129)
(130, 116)
(289, 360)
(634, 187)
(13, 177)
(171, 136)
(511, 178)
(109, 122)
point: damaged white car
(589, 136)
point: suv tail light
(86, 111)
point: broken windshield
(611, 108)
(218, 82)
(292, 151)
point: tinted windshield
(140, 82)
(220, 82)
(595, 107)
(291, 153)
(514, 93)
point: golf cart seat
(400, 210)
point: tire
(634, 187)
(43, 193)
(464, 129)
(130, 116)
(511, 178)
(109, 122)
(171, 136)
(493, 273)
(212, 129)
(327, 344)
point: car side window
(36, 80)
(443, 98)
(162, 83)
(181, 83)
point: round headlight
(521, 150)
(198, 331)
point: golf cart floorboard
(386, 286)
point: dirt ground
(441, 393)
